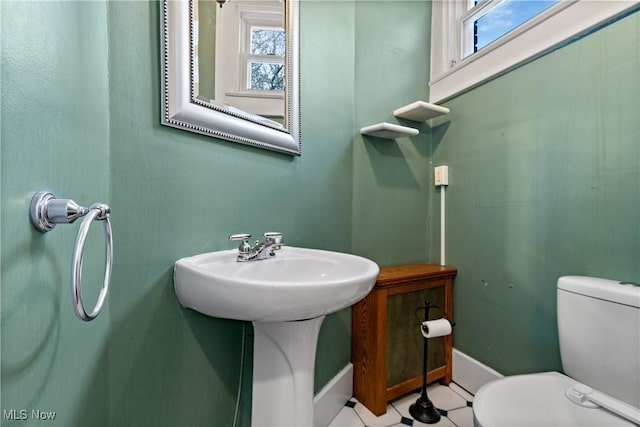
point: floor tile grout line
(397, 411)
(398, 424)
(358, 415)
(461, 395)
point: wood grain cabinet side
(386, 340)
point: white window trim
(451, 74)
(247, 22)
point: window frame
(452, 73)
(249, 21)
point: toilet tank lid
(604, 289)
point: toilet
(599, 333)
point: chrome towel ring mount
(46, 211)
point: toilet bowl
(599, 337)
(536, 400)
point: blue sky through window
(505, 17)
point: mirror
(255, 101)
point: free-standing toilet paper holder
(424, 410)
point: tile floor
(453, 403)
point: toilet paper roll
(435, 328)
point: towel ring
(46, 211)
(100, 212)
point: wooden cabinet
(386, 340)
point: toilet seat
(536, 400)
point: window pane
(505, 17)
(266, 76)
(267, 41)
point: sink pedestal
(284, 355)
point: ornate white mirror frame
(180, 107)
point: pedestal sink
(286, 297)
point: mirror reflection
(239, 50)
(248, 93)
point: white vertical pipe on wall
(442, 224)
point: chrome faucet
(262, 250)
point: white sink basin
(296, 284)
(286, 297)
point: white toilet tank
(599, 333)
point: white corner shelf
(420, 111)
(388, 131)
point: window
(261, 49)
(473, 41)
(489, 20)
(265, 61)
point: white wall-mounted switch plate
(442, 175)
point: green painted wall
(544, 181)
(80, 116)
(207, 11)
(391, 178)
(82, 90)
(55, 136)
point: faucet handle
(241, 236)
(275, 237)
(244, 247)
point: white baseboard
(331, 399)
(470, 374)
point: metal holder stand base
(424, 411)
